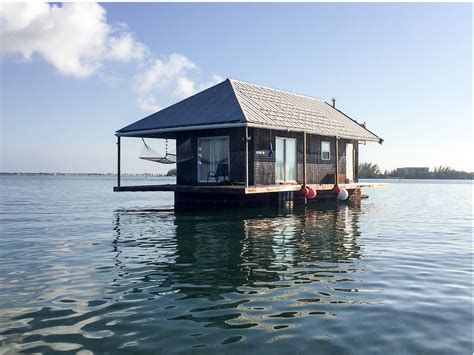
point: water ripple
(85, 270)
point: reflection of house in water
(331, 235)
(208, 255)
(235, 271)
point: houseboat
(241, 144)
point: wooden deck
(238, 189)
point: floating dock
(195, 197)
(238, 189)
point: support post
(118, 161)
(304, 164)
(354, 146)
(304, 159)
(356, 162)
(246, 156)
(337, 162)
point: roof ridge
(245, 120)
(279, 90)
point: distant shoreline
(164, 175)
(82, 174)
(414, 178)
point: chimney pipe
(334, 102)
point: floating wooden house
(239, 143)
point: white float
(342, 194)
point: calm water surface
(83, 269)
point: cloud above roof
(78, 41)
(75, 38)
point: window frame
(198, 160)
(325, 151)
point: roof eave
(292, 129)
(148, 132)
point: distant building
(412, 170)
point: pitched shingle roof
(234, 102)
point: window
(285, 159)
(213, 155)
(325, 150)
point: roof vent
(334, 102)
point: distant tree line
(372, 171)
(171, 172)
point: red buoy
(336, 189)
(311, 193)
(304, 191)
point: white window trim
(199, 139)
(284, 157)
(323, 151)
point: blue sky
(70, 77)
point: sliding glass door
(350, 162)
(213, 157)
(285, 160)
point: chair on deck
(222, 170)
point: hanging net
(184, 152)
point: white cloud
(125, 47)
(15, 17)
(75, 37)
(167, 73)
(148, 103)
(77, 40)
(161, 72)
(174, 74)
(184, 87)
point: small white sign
(261, 152)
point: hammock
(148, 153)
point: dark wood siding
(262, 166)
(318, 170)
(187, 170)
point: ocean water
(85, 270)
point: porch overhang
(170, 130)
